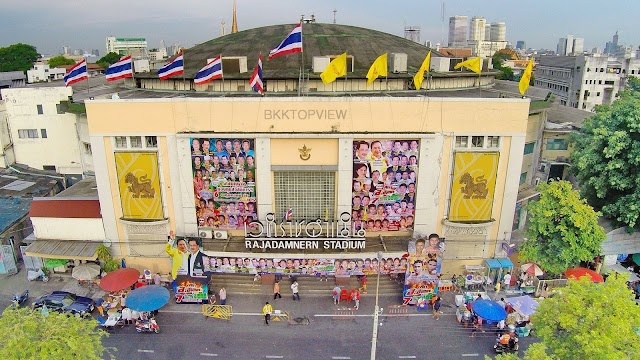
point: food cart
(474, 277)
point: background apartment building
(458, 31)
(127, 46)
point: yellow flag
(526, 78)
(378, 68)
(417, 79)
(474, 65)
(337, 67)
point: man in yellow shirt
(178, 255)
(267, 309)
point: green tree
(505, 356)
(506, 73)
(563, 229)
(108, 59)
(60, 60)
(18, 57)
(586, 320)
(26, 335)
(605, 159)
(633, 83)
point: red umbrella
(119, 279)
(578, 272)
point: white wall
(22, 114)
(59, 229)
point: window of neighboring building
(528, 148)
(59, 109)
(523, 178)
(87, 148)
(599, 82)
(136, 142)
(151, 141)
(49, 167)
(28, 133)
(477, 141)
(121, 142)
(557, 144)
(40, 111)
(43, 133)
(310, 193)
(598, 93)
(493, 141)
(462, 141)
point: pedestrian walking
(157, 279)
(223, 296)
(257, 279)
(507, 281)
(276, 291)
(476, 326)
(356, 298)
(436, 308)
(294, 289)
(126, 316)
(267, 309)
(336, 295)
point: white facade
(127, 46)
(458, 31)
(42, 72)
(7, 157)
(86, 229)
(43, 135)
(570, 46)
(476, 30)
(498, 32)
(486, 49)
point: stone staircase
(308, 285)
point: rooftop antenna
(223, 29)
(334, 15)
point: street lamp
(376, 314)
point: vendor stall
(496, 268)
(474, 277)
(617, 268)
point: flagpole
(346, 72)
(133, 73)
(184, 72)
(301, 77)
(222, 69)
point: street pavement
(187, 334)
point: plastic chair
(344, 295)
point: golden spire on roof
(234, 21)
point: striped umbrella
(532, 269)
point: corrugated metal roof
(63, 249)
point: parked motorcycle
(20, 299)
(37, 275)
(511, 347)
(147, 326)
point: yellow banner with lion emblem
(474, 184)
(139, 185)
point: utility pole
(376, 315)
(334, 15)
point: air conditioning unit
(220, 235)
(203, 233)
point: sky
(51, 25)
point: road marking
(341, 357)
(469, 355)
(208, 354)
(145, 351)
(406, 357)
(274, 357)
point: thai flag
(291, 44)
(77, 73)
(289, 215)
(256, 78)
(211, 71)
(120, 70)
(175, 67)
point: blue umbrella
(148, 298)
(486, 309)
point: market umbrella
(85, 271)
(525, 305)
(532, 269)
(486, 309)
(119, 279)
(578, 272)
(148, 298)
(636, 258)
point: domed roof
(365, 45)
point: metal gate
(7, 260)
(32, 263)
(223, 312)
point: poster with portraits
(384, 184)
(224, 171)
(311, 267)
(423, 270)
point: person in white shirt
(507, 281)
(294, 289)
(126, 315)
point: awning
(63, 249)
(505, 263)
(493, 263)
(619, 241)
(621, 270)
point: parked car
(63, 301)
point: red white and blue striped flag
(291, 44)
(256, 78)
(289, 215)
(211, 71)
(77, 73)
(120, 70)
(173, 68)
